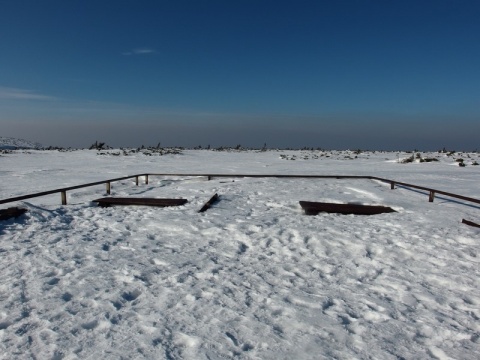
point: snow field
(250, 278)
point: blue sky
(370, 74)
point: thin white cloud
(139, 51)
(22, 94)
(143, 51)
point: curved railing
(63, 191)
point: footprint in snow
(53, 281)
(131, 295)
(233, 339)
(90, 325)
(67, 297)
(242, 248)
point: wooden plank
(209, 203)
(14, 212)
(313, 208)
(108, 201)
(471, 223)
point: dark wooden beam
(470, 223)
(108, 201)
(209, 203)
(313, 208)
(14, 212)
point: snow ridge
(10, 143)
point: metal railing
(63, 191)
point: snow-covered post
(64, 197)
(108, 187)
(431, 196)
(392, 185)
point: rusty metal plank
(313, 208)
(11, 212)
(108, 201)
(470, 223)
(209, 203)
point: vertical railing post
(392, 185)
(108, 187)
(64, 197)
(136, 180)
(431, 196)
(209, 178)
(146, 179)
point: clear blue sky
(376, 74)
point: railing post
(136, 180)
(431, 196)
(392, 185)
(209, 178)
(146, 179)
(108, 187)
(64, 197)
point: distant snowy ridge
(13, 143)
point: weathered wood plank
(108, 201)
(6, 214)
(471, 223)
(313, 208)
(209, 203)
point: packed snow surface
(252, 277)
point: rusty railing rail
(431, 192)
(63, 191)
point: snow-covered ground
(251, 278)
